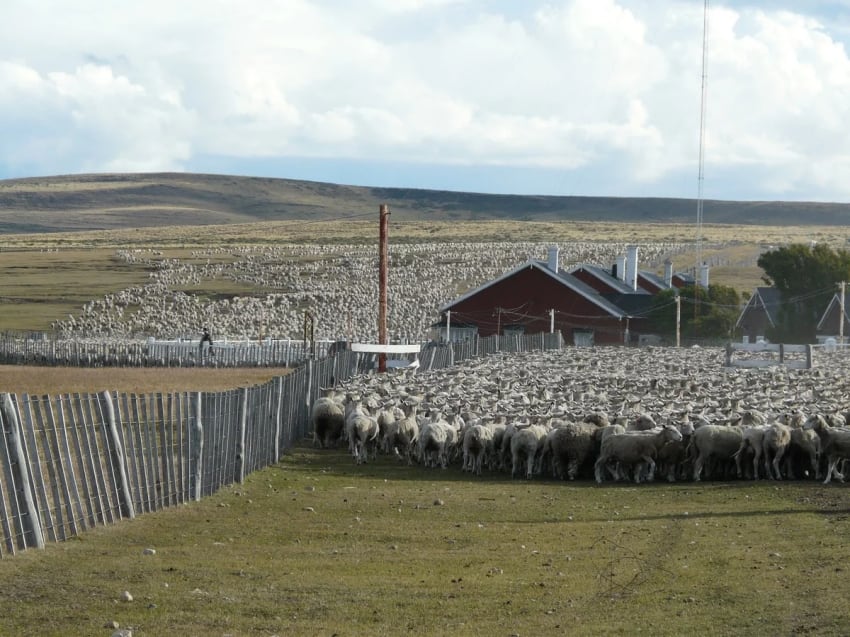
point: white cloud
(566, 84)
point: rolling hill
(117, 201)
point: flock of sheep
(337, 284)
(600, 413)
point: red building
(537, 297)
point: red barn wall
(526, 298)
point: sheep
(774, 445)
(835, 444)
(387, 417)
(572, 446)
(635, 448)
(328, 420)
(526, 443)
(476, 440)
(803, 456)
(752, 440)
(362, 431)
(435, 442)
(402, 435)
(642, 422)
(673, 456)
(719, 442)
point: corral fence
(752, 355)
(72, 462)
(41, 349)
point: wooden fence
(39, 349)
(753, 355)
(110, 352)
(71, 462)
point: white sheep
(476, 440)
(526, 443)
(436, 439)
(835, 444)
(714, 442)
(775, 443)
(328, 420)
(634, 449)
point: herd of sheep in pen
(260, 291)
(600, 413)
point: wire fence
(72, 462)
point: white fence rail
(769, 354)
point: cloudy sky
(573, 97)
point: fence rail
(71, 462)
(16, 349)
(769, 354)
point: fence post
(278, 416)
(197, 448)
(240, 440)
(781, 353)
(728, 354)
(118, 456)
(810, 356)
(309, 391)
(30, 522)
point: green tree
(705, 313)
(807, 277)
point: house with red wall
(586, 304)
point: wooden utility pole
(383, 276)
(678, 321)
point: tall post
(841, 315)
(449, 338)
(552, 321)
(383, 272)
(678, 321)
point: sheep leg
(698, 467)
(597, 469)
(650, 477)
(776, 460)
(830, 469)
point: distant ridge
(137, 200)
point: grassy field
(319, 546)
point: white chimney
(632, 266)
(553, 258)
(703, 275)
(621, 267)
(668, 273)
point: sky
(558, 97)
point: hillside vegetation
(116, 201)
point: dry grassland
(46, 277)
(21, 379)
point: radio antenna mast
(701, 170)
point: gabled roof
(606, 277)
(686, 278)
(657, 281)
(834, 306)
(564, 278)
(769, 298)
(637, 305)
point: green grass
(317, 546)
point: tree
(718, 310)
(806, 277)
